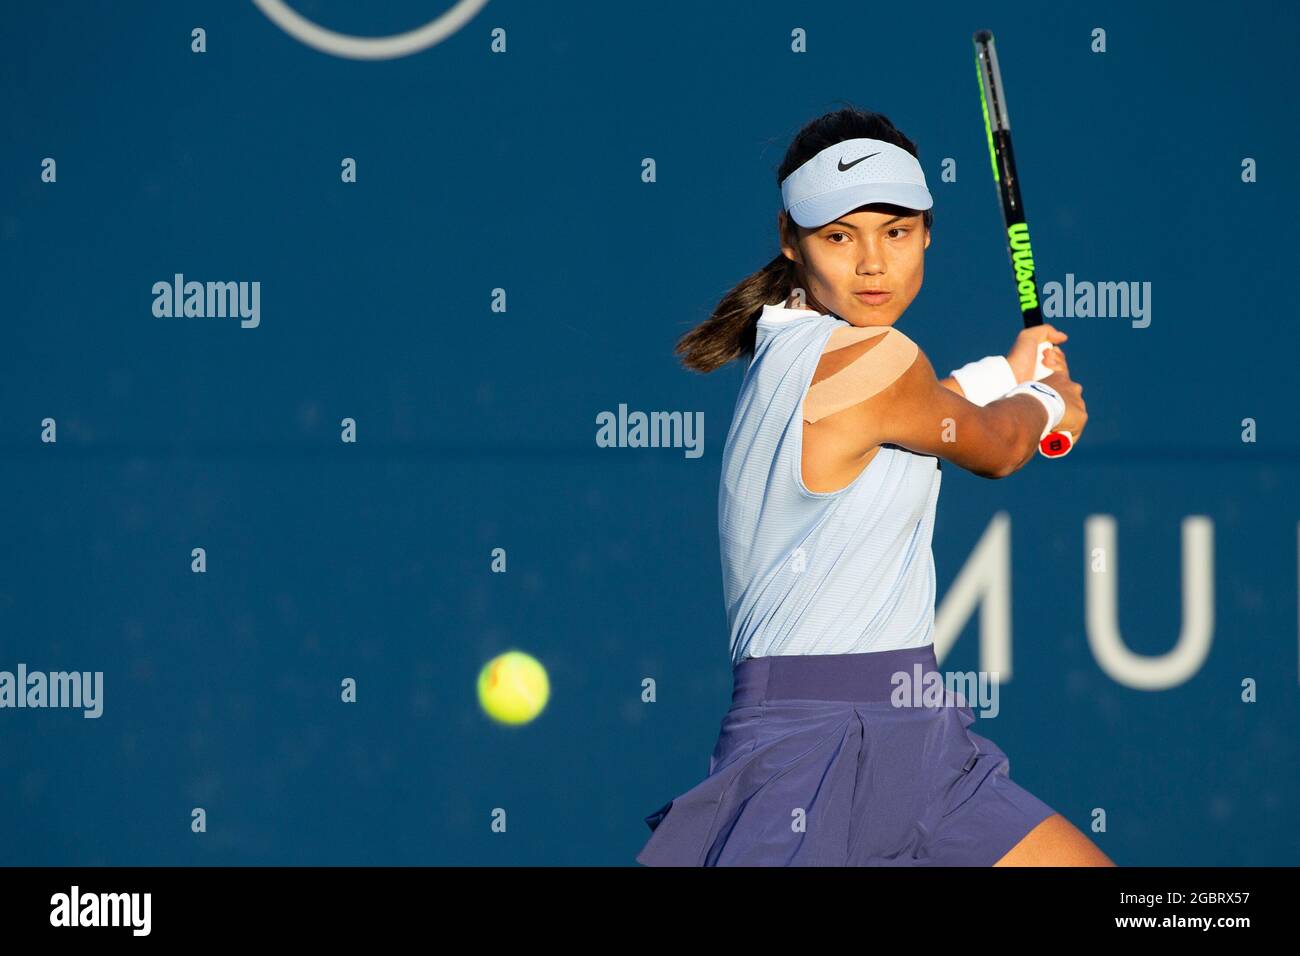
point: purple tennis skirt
(814, 766)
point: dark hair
(729, 332)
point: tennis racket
(997, 127)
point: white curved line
(368, 48)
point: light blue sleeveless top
(806, 572)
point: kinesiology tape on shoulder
(871, 372)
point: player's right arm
(918, 413)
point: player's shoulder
(857, 363)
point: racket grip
(1041, 371)
(1054, 444)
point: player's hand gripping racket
(997, 126)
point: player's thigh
(1055, 842)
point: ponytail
(730, 332)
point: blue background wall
(477, 429)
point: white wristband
(988, 379)
(1051, 399)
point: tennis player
(830, 476)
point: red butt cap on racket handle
(1053, 444)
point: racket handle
(1041, 371)
(1054, 444)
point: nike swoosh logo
(856, 161)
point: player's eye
(844, 234)
(903, 229)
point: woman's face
(874, 247)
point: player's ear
(927, 238)
(789, 236)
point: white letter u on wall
(1102, 613)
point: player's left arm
(1020, 359)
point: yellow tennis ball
(513, 687)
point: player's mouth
(873, 297)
